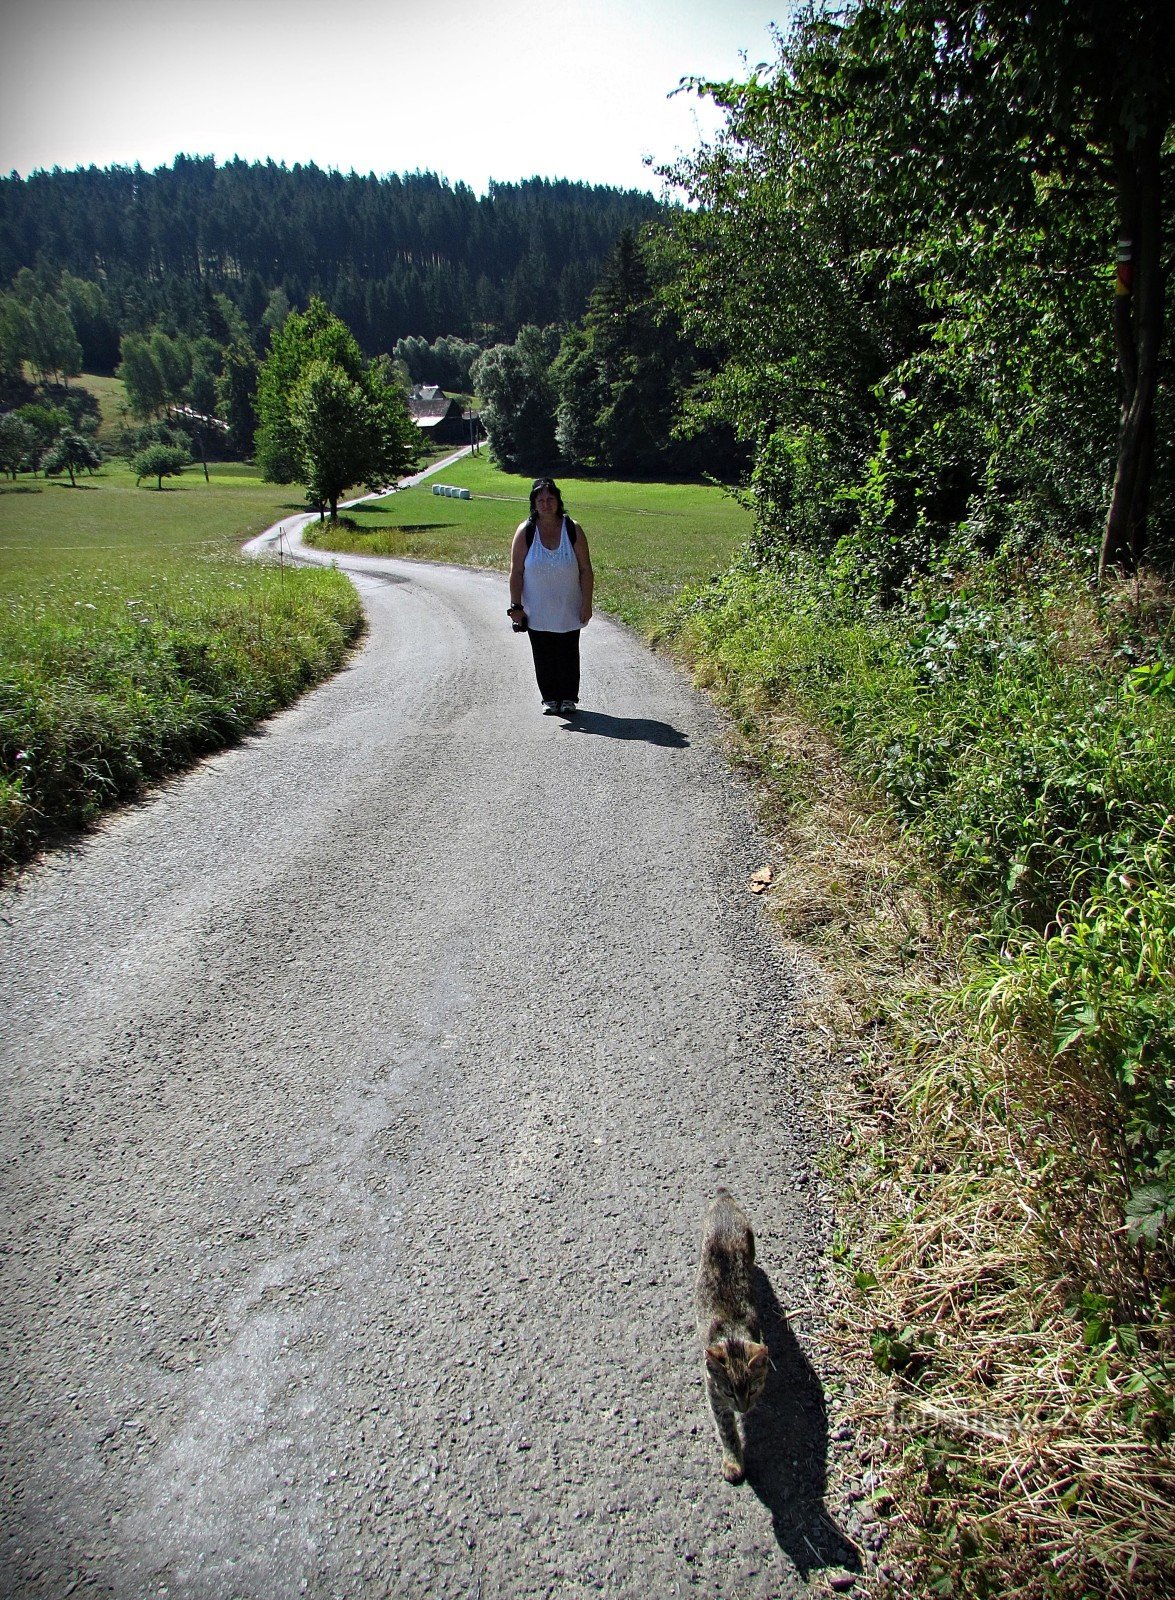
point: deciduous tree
(159, 461)
(18, 445)
(73, 453)
(518, 400)
(327, 418)
(146, 389)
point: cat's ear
(757, 1357)
(717, 1355)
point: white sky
(471, 89)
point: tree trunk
(1138, 334)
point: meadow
(134, 638)
(646, 539)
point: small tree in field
(326, 417)
(348, 432)
(335, 429)
(159, 461)
(71, 452)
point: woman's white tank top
(550, 585)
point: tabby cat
(736, 1357)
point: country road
(363, 1091)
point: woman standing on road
(551, 583)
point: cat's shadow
(787, 1448)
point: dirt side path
(363, 1092)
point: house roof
(434, 409)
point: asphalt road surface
(363, 1091)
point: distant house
(439, 417)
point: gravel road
(363, 1093)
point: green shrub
(1097, 987)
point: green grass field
(48, 529)
(110, 394)
(133, 636)
(646, 539)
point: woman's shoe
(567, 708)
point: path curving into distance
(364, 1089)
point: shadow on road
(646, 728)
(787, 1448)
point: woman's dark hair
(545, 483)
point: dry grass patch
(1007, 1348)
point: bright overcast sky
(471, 89)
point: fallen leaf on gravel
(760, 880)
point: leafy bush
(1027, 741)
(1097, 986)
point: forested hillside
(393, 256)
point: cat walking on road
(736, 1357)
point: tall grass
(999, 931)
(132, 640)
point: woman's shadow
(787, 1448)
(646, 728)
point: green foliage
(73, 453)
(235, 390)
(621, 391)
(1034, 764)
(901, 245)
(46, 423)
(36, 327)
(146, 388)
(348, 433)
(133, 441)
(326, 416)
(394, 257)
(447, 361)
(518, 400)
(1097, 986)
(160, 461)
(106, 694)
(304, 337)
(18, 445)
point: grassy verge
(646, 539)
(133, 639)
(978, 847)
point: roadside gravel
(364, 1090)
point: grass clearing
(47, 527)
(133, 637)
(647, 539)
(113, 414)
